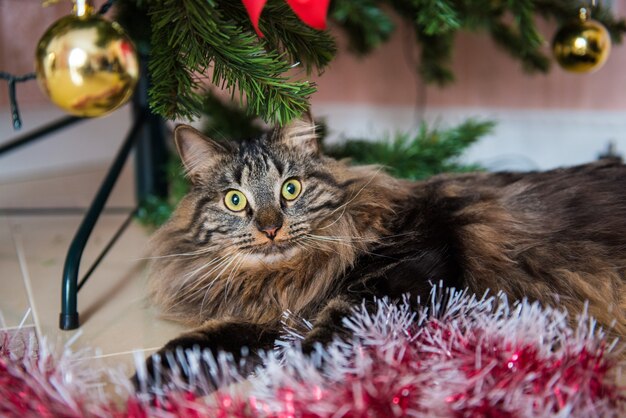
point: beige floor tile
(115, 318)
(74, 189)
(14, 304)
(114, 315)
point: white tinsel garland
(459, 356)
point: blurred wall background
(543, 120)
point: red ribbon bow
(311, 12)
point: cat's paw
(191, 369)
(322, 336)
(316, 340)
(308, 347)
(162, 369)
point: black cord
(12, 79)
(16, 78)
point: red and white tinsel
(462, 356)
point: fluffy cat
(272, 225)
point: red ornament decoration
(311, 12)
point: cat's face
(264, 200)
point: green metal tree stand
(147, 136)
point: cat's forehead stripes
(258, 173)
(255, 162)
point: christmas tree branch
(196, 38)
(283, 31)
(436, 57)
(420, 155)
(510, 23)
(365, 23)
(436, 17)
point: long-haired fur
(192, 283)
(558, 237)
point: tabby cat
(271, 225)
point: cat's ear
(197, 152)
(300, 135)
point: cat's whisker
(219, 275)
(189, 254)
(191, 295)
(377, 239)
(222, 262)
(200, 280)
(308, 246)
(213, 261)
(330, 239)
(351, 245)
(345, 205)
(343, 239)
(315, 244)
(353, 198)
(201, 285)
(197, 253)
(233, 272)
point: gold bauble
(86, 65)
(582, 46)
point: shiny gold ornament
(582, 46)
(86, 65)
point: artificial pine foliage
(199, 42)
(364, 22)
(419, 155)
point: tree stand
(147, 135)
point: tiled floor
(115, 318)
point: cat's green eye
(235, 200)
(291, 189)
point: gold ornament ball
(582, 46)
(86, 65)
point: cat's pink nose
(270, 231)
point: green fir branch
(436, 58)
(364, 22)
(437, 17)
(510, 23)
(197, 37)
(522, 40)
(533, 59)
(283, 31)
(429, 152)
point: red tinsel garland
(461, 357)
